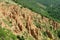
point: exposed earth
(24, 22)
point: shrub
(20, 38)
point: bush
(58, 33)
(20, 38)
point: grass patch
(36, 24)
(7, 22)
(6, 34)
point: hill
(49, 9)
(27, 20)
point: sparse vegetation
(41, 29)
(7, 22)
(36, 24)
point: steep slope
(26, 24)
(49, 9)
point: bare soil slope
(22, 21)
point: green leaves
(6, 34)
